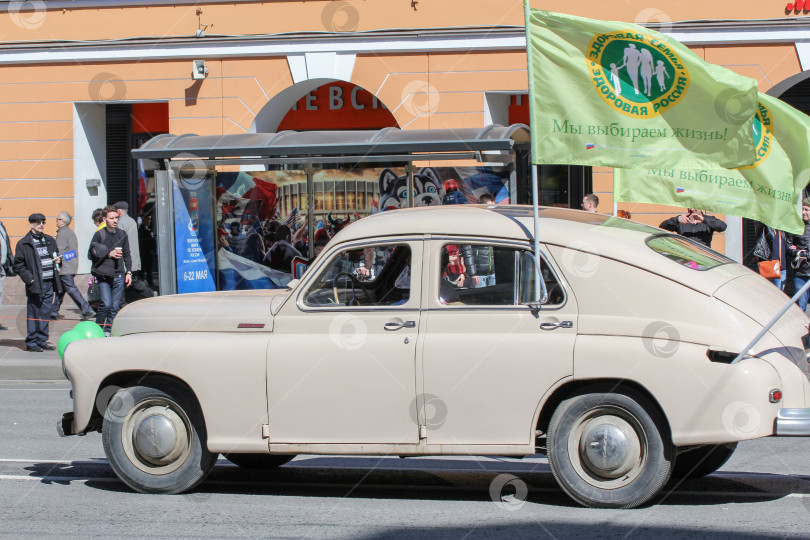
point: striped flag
(292, 217)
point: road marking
(58, 461)
(36, 389)
(57, 478)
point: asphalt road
(51, 486)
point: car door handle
(552, 325)
(392, 326)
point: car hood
(231, 311)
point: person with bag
(771, 248)
(797, 251)
(37, 263)
(68, 245)
(111, 266)
(6, 259)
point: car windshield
(686, 252)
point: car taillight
(775, 395)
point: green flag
(618, 95)
(768, 191)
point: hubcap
(607, 447)
(155, 437)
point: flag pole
(532, 166)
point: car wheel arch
(571, 388)
(124, 379)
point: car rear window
(686, 252)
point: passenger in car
(455, 270)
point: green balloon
(88, 329)
(67, 338)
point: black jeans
(39, 315)
(69, 287)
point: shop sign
(338, 105)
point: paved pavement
(15, 362)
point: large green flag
(768, 191)
(618, 95)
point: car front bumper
(64, 426)
(793, 423)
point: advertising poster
(194, 235)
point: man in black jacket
(37, 263)
(112, 266)
(797, 253)
(695, 224)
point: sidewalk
(15, 362)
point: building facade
(82, 82)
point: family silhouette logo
(763, 135)
(638, 75)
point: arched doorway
(323, 104)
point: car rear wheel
(702, 461)
(609, 450)
(154, 438)
(259, 461)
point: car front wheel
(609, 450)
(154, 438)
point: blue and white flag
(239, 273)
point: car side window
(490, 275)
(378, 275)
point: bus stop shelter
(205, 184)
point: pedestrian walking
(695, 224)
(111, 266)
(68, 245)
(6, 260)
(36, 262)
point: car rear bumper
(793, 423)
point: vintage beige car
(392, 344)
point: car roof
(513, 222)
